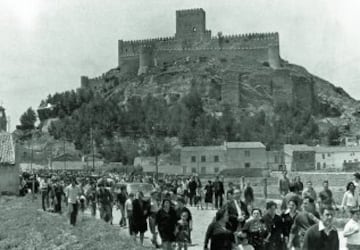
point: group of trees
(116, 128)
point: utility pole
(31, 160)
(92, 148)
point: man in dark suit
(219, 192)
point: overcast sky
(46, 45)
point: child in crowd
(243, 241)
(183, 231)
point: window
(193, 170)
(193, 158)
(247, 153)
(216, 170)
(323, 156)
(194, 29)
(329, 154)
(324, 165)
(184, 169)
(318, 166)
(203, 158)
(216, 158)
(301, 156)
(203, 170)
(247, 164)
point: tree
(333, 136)
(28, 119)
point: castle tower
(274, 56)
(191, 25)
(146, 59)
(84, 81)
(3, 120)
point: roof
(7, 149)
(335, 149)
(248, 144)
(202, 148)
(289, 148)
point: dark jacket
(219, 188)
(319, 240)
(166, 223)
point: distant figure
(209, 194)
(284, 184)
(350, 199)
(326, 196)
(299, 186)
(73, 193)
(219, 192)
(309, 191)
(249, 194)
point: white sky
(46, 45)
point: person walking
(73, 193)
(44, 187)
(249, 194)
(323, 235)
(350, 199)
(219, 236)
(326, 196)
(166, 222)
(209, 192)
(140, 213)
(219, 192)
(120, 200)
(352, 230)
(288, 218)
(105, 201)
(284, 184)
(275, 227)
(257, 230)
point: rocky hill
(244, 84)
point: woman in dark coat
(140, 213)
(209, 191)
(166, 220)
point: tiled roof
(7, 149)
(248, 144)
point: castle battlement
(192, 35)
(190, 11)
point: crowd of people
(300, 219)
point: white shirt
(349, 199)
(72, 193)
(350, 227)
(246, 247)
(128, 206)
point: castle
(191, 38)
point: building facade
(249, 156)
(335, 158)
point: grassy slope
(24, 226)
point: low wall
(9, 180)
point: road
(201, 219)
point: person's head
(184, 216)
(355, 214)
(140, 195)
(350, 187)
(123, 189)
(166, 204)
(298, 178)
(73, 182)
(271, 207)
(309, 184)
(284, 173)
(292, 205)
(326, 185)
(327, 215)
(308, 203)
(248, 184)
(256, 213)
(209, 181)
(243, 238)
(222, 215)
(131, 196)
